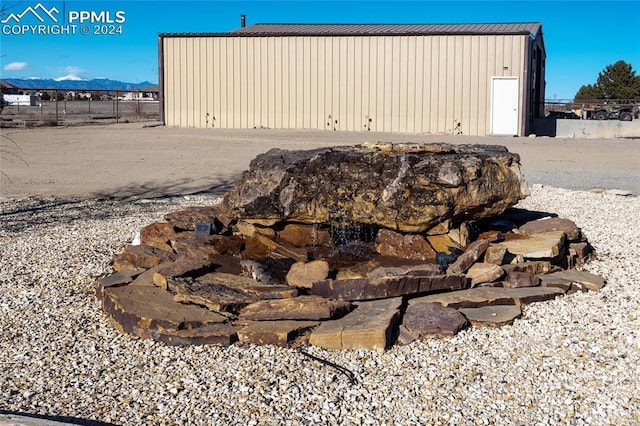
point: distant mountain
(72, 82)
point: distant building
(8, 89)
(137, 96)
(20, 100)
(475, 79)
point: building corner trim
(161, 78)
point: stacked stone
(272, 285)
(262, 268)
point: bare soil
(132, 161)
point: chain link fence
(586, 109)
(68, 108)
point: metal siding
(426, 82)
(272, 81)
(410, 53)
(312, 83)
(206, 49)
(419, 84)
(333, 84)
(168, 81)
(343, 84)
(453, 66)
(277, 85)
(386, 79)
(443, 84)
(372, 94)
(200, 81)
(236, 94)
(326, 93)
(394, 84)
(458, 84)
(483, 85)
(466, 98)
(401, 83)
(245, 93)
(294, 73)
(223, 85)
(381, 102)
(185, 59)
(179, 82)
(216, 76)
(284, 109)
(434, 85)
(306, 81)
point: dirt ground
(132, 161)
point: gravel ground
(574, 360)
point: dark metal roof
(274, 30)
(387, 29)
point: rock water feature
(349, 247)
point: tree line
(616, 81)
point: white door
(504, 105)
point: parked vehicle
(613, 112)
(565, 115)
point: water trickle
(344, 230)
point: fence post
(117, 107)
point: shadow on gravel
(15, 417)
(179, 188)
(20, 214)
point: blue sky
(581, 37)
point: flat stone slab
(471, 254)
(296, 308)
(405, 246)
(487, 296)
(481, 272)
(120, 278)
(147, 312)
(492, 316)
(181, 268)
(516, 279)
(140, 256)
(249, 286)
(206, 245)
(117, 279)
(216, 297)
(158, 235)
(365, 289)
(545, 245)
(216, 334)
(567, 226)
(372, 325)
(432, 318)
(387, 266)
(589, 281)
(278, 333)
(533, 267)
(397, 271)
(186, 219)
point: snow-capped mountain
(73, 82)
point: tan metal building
(475, 79)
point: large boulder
(405, 187)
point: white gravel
(574, 360)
